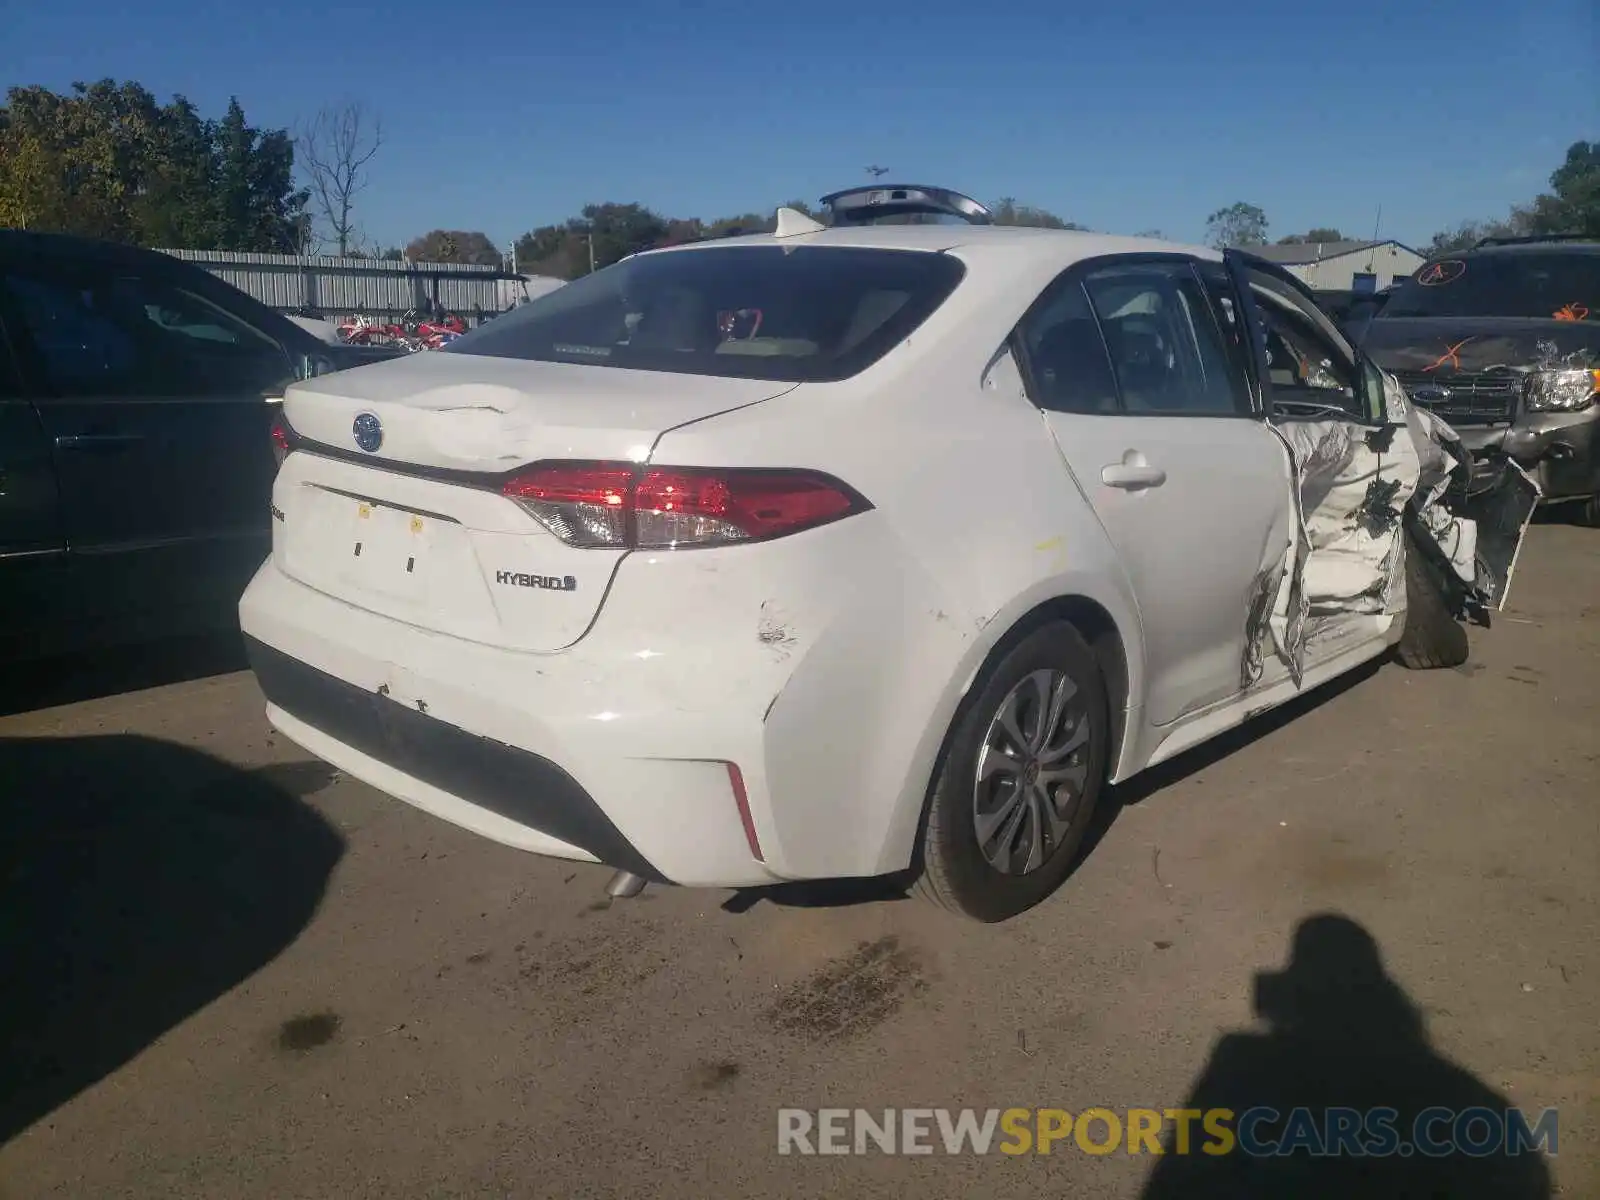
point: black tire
(1432, 637)
(1589, 512)
(956, 874)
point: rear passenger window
(1066, 354)
(1166, 350)
(105, 334)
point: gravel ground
(229, 972)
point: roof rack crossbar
(1534, 238)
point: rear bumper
(1560, 450)
(563, 755)
(439, 766)
(831, 705)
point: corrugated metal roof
(1303, 253)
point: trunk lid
(409, 523)
(467, 412)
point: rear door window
(1066, 356)
(97, 331)
(1167, 350)
(785, 313)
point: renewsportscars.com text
(1258, 1132)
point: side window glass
(1166, 348)
(1218, 286)
(1066, 354)
(1305, 365)
(110, 334)
(80, 352)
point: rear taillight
(282, 439)
(663, 508)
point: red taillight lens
(282, 439)
(583, 504)
(664, 508)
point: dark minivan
(136, 400)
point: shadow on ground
(139, 881)
(1342, 1045)
(68, 680)
(822, 893)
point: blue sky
(502, 116)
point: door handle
(101, 442)
(1132, 473)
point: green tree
(1575, 205)
(1571, 206)
(1319, 236)
(618, 230)
(1239, 224)
(1007, 211)
(106, 160)
(604, 234)
(257, 204)
(454, 246)
(177, 204)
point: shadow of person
(1343, 1042)
(139, 881)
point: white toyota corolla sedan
(854, 550)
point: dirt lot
(229, 973)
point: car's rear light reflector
(741, 798)
(663, 508)
(282, 439)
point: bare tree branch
(334, 148)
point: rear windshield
(797, 314)
(1565, 287)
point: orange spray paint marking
(1451, 356)
(1571, 312)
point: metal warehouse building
(1345, 266)
(336, 286)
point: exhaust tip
(624, 885)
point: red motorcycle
(435, 335)
(362, 330)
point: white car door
(1150, 402)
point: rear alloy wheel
(1021, 774)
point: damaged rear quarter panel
(791, 658)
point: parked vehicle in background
(136, 391)
(838, 551)
(324, 329)
(1503, 341)
(1349, 309)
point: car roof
(68, 247)
(1553, 246)
(1065, 246)
(68, 244)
